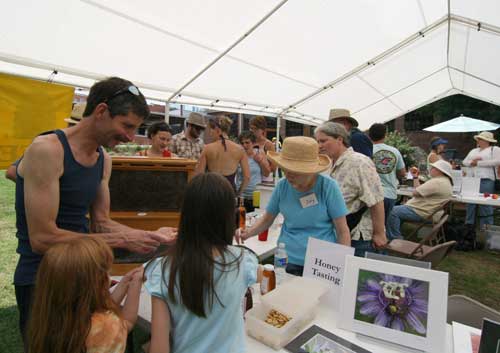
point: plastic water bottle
(280, 262)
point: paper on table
(457, 180)
(470, 186)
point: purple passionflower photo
(394, 302)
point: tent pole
(278, 128)
(371, 62)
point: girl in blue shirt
(198, 287)
(312, 204)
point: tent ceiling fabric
(299, 59)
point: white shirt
(490, 159)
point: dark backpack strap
(353, 219)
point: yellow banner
(28, 108)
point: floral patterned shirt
(185, 148)
(360, 184)
(108, 334)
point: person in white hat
(312, 204)
(427, 198)
(357, 139)
(484, 161)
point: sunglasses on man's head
(130, 89)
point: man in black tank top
(64, 175)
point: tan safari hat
(196, 119)
(444, 167)
(486, 136)
(342, 114)
(300, 155)
(76, 113)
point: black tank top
(77, 191)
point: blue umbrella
(463, 124)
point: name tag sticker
(308, 200)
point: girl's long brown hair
(72, 283)
(207, 223)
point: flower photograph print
(321, 344)
(393, 302)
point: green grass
(10, 340)
(474, 274)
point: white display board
(397, 303)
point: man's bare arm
(41, 169)
(101, 221)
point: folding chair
(425, 250)
(432, 219)
(469, 311)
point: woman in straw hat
(484, 159)
(312, 204)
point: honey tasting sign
(325, 261)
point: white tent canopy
(294, 58)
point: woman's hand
(259, 156)
(474, 161)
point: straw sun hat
(300, 155)
(486, 136)
(76, 113)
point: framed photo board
(397, 303)
(317, 340)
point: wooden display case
(146, 193)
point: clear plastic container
(492, 240)
(297, 299)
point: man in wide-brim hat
(76, 114)
(188, 143)
(358, 140)
(312, 204)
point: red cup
(263, 235)
(167, 153)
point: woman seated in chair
(427, 198)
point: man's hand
(166, 235)
(379, 240)
(142, 241)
